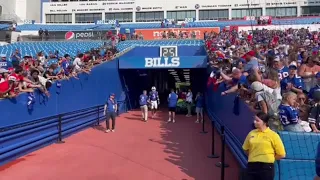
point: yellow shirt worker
(263, 147)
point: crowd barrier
(237, 120)
(87, 91)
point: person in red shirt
(21, 79)
(7, 87)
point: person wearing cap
(263, 147)
(283, 71)
(8, 87)
(314, 115)
(316, 88)
(292, 82)
(252, 61)
(110, 109)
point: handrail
(16, 126)
(8, 128)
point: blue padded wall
(89, 90)
(299, 163)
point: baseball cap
(292, 66)
(12, 78)
(257, 86)
(276, 59)
(112, 94)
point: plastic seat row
(32, 48)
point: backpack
(271, 102)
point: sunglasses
(302, 99)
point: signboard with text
(152, 34)
(162, 62)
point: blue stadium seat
(296, 169)
(32, 48)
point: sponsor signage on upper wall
(152, 34)
(139, 62)
(79, 35)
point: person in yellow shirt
(263, 147)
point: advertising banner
(152, 34)
(162, 62)
(71, 35)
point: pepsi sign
(78, 35)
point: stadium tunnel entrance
(137, 80)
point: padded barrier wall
(22, 132)
(301, 148)
(74, 94)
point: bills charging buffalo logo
(69, 35)
(197, 6)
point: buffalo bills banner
(162, 62)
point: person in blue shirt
(16, 58)
(292, 82)
(316, 88)
(110, 109)
(172, 104)
(143, 101)
(288, 114)
(154, 100)
(283, 71)
(199, 106)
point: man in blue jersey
(283, 71)
(199, 107)
(292, 82)
(110, 109)
(154, 100)
(172, 104)
(143, 101)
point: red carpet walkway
(136, 151)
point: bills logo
(162, 62)
(69, 35)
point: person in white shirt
(78, 65)
(189, 102)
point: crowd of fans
(27, 74)
(273, 71)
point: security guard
(263, 147)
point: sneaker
(173, 121)
(169, 120)
(113, 130)
(188, 115)
(108, 130)
(197, 121)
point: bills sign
(129, 62)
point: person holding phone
(110, 111)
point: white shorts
(154, 104)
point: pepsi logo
(69, 35)
(197, 6)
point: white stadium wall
(22, 9)
(112, 6)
